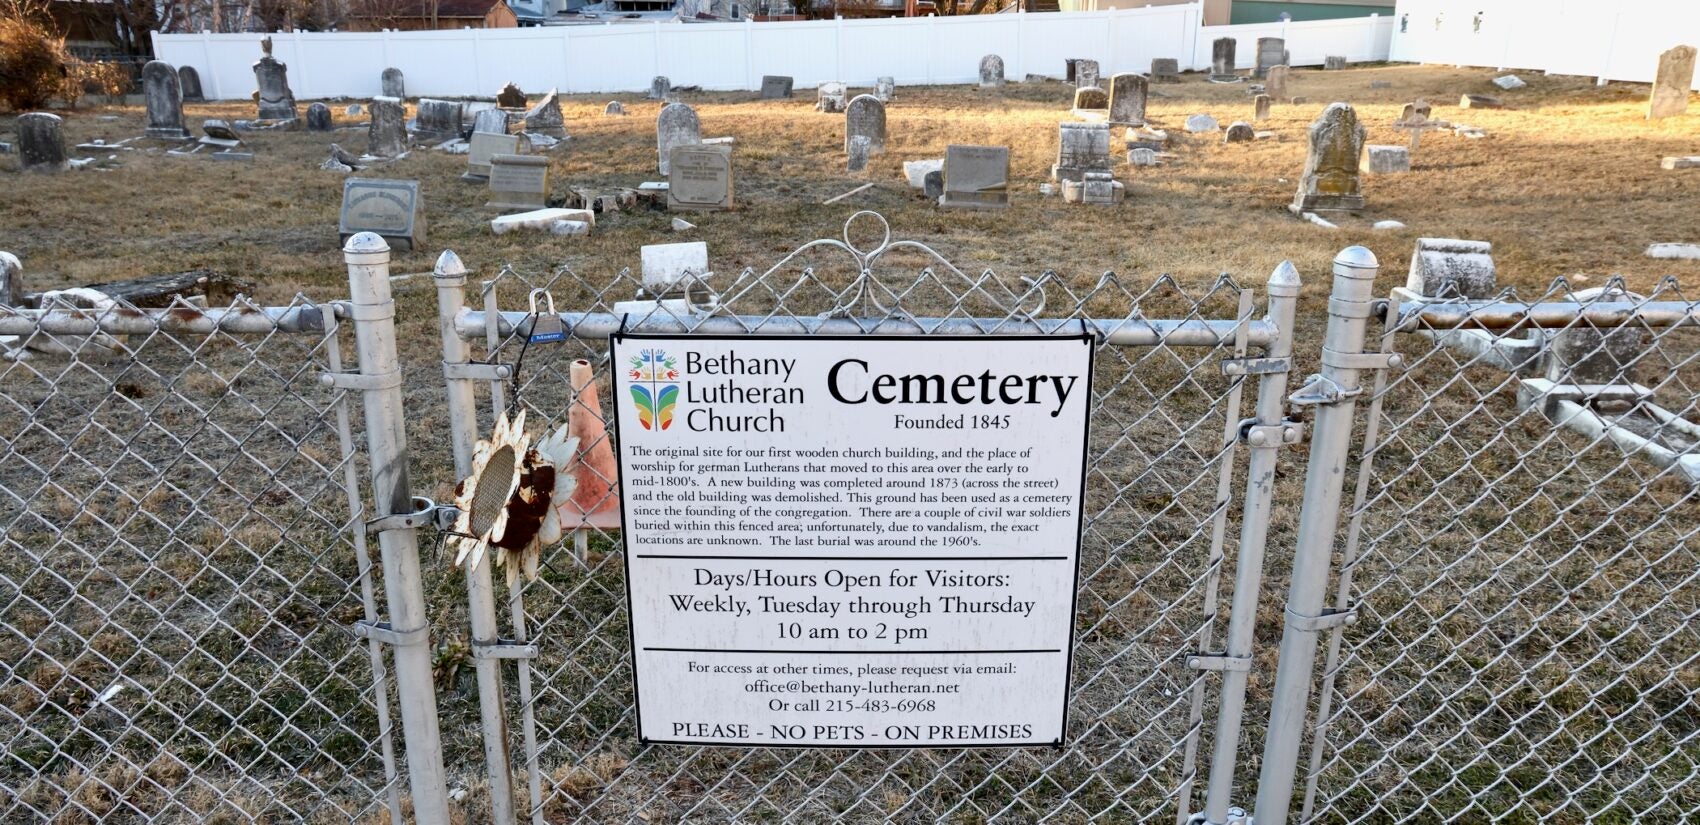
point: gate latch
(1255, 366)
(1329, 619)
(1219, 662)
(1268, 436)
(1321, 390)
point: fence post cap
(1285, 279)
(1357, 257)
(449, 265)
(365, 243)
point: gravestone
(865, 116)
(189, 81)
(1201, 123)
(1081, 148)
(1330, 180)
(1085, 72)
(1586, 354)
(1069, 64)
(1127, 99)
(1416, 112)
(1271, 51)
(991, 71)
(976, 177)
(221, 132)
(858, 150)
(1671, 164)
(885, 88)
(659, 88)
(1275, 82)
(319, 118)
(41, 143)
(676, 126)
(1480, 102)
(510, 97)
(490, 121)
(437, 119)
(700, 178)
(775, 87)
(485, 145)
(1334, 62)
(1382, 160)
(1670, 86)
(1142, 157)
(1452, 268)
(163, 92)
(386, 136)
(829, 97)
(1260, 108)
(932, 184)
(518, 182)
(614, 109)
(1509, 82)
(1091, 99)
(1098, 188)
(391, 208)
(1165, 70)
(276, 101)
(1222, 59)
(393, 83)
(1239, 132)
(545, 118)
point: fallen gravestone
(275, 101)
(1480, 102)
(41, 142)
(545, 118)
(518, 182)
(1509, 82)
(865, 117)
(318, 118)
(392, 83)
(1330, 180)
(976, 177)
(915, 171)
(700, 178)
(775, 87)
(390, 208)
(163, 93)
(991, 71)
(510, 97)
(189, 81)
(1671, 84)
(1128, 93)
(1692, 162)
(1201, 123)
(676, 126)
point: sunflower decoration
(509, 500)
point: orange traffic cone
(596, 470)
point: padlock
(546, 325)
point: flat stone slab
(1691, 162)
(1676, 251)
(542, 220)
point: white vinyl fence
(1618, 41)
(734, 56)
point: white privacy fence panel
(733, 56)
(1572, 37)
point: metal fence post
(1265, 435)
(1334, 393)
(450, 275)
(379, 381)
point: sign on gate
(852, 541)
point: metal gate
(1166, 443)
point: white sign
(852, 541)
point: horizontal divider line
(850, 652)
(859, 558)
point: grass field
(1527, 653)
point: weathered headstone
(163, 93)
(614, 109)
(386, 136)
(1201, 123)
(775, 87)
(1098, 188)
(830, 97)
(1222, 59)
(1271, 51)
(991, 71)
(1085, 72)
(676, 126)
(1330, 180)
(932, 184)
(437, 119)
(490, 121)
(1127, 99)
(393, 83)
(885, 88)
(391, 208)
(1091, 99)
(1509, 82)
(1452, 268)
(857, 150)
(1480, 102)
(41, 143)
(518, 182)
(1239, 132)
(1382, 160)
(700, 178)
(865, 116)
(545, 118)
(1671, 85)
(220, 132)
(276, 101)
(11, 280)
(1165, 70)
(1334, 62)
(1142, 156)
(483, 146)
(1260, 108)
(189, 81)
(1082, 148)
(660, 88)
(1674, 163)
(1586, 354)
(1415, 112)
(510, 97)
(976, 177)
(319, 118)
(1275, 82)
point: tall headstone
(776, 87)
(391, 208)
(387, 135)
(519, 182)
(1275, 82)
(1082, 148)
(976, 177)
(1165, 70)
(276, 101)
(318, 118)
(190, 81)
(1271, 51)
(660, 87)
(700, 178)
(885, 89)
(676, 126)
(437, 119)
(1260, 108)
(1086, 72)
(1127, 99)
(865, 117)
(545, 118)
(1222, 59)
(393, 83)
(1671, 85)
(1330, 178)
(490, 121)
(830, 97)
(991, 71)
(162, 89)
(41, 144)
(510, 97)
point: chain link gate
(186, 569)
(1165, 444)
(1512, 635)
